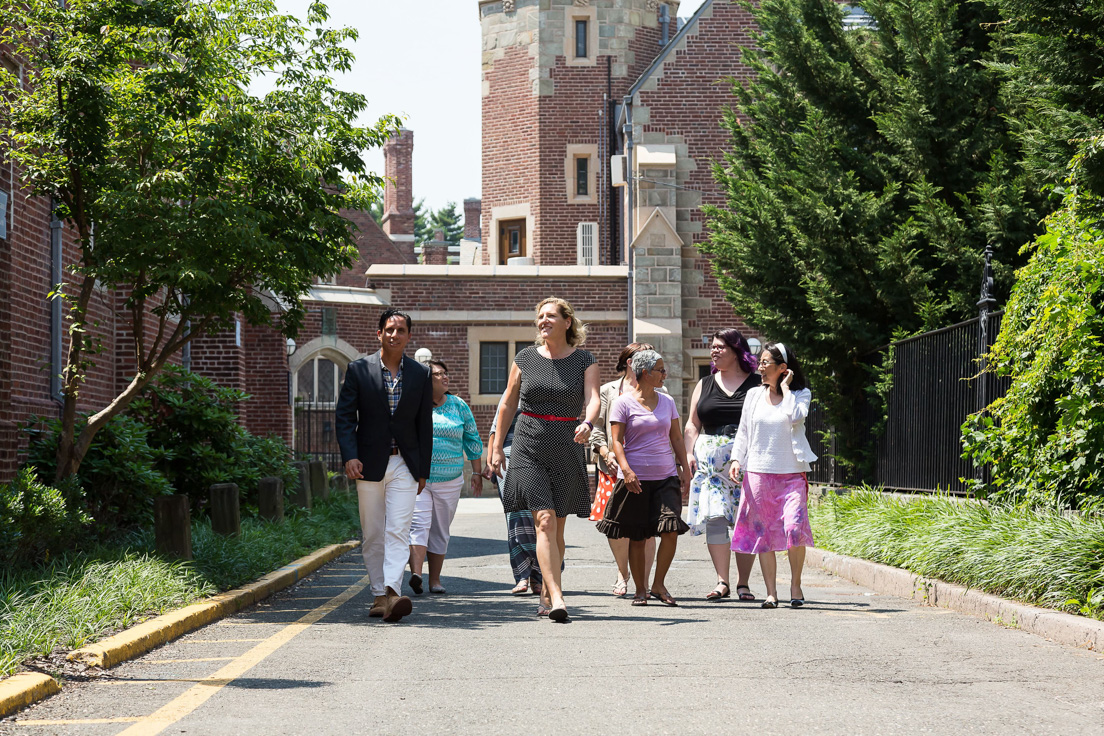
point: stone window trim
(510, 212)
(518, 337)
(575, 152)
(573, 13)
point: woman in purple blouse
(646, 439)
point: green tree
(422, 231)
(1054, 84)
(449, 220)
(187, 192)
(1044, 439)
(867, 171)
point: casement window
(580, 162)
(329, 321)
(318, 381)
(491, 353)
(586, 243)
(580, 36)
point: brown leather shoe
(396, 607)
(379, 607)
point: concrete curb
(1063, 628)
(19, 691)
(26, 688)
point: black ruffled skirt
(638, 516)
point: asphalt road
(477, 660)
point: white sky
(421, 60)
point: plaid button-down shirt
(393, 384)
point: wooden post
(270, 493)
(226, 509)
(172, 523)
(340, 484)
(320, 485)
(302, 495)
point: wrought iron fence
(315, 434)
(936, 384)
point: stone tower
(553, 73)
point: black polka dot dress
(547, 467)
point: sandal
(717, 593)
(621, 588)
(558, 614)
(542, 610)
(521, 588)
(416, 583)
(639, 600)
(770, 602)
(748, 596)
(665, 598)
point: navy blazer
(365, 425)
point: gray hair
(643, 360)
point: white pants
(386, 507)
(433, 514)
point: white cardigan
(796, 405)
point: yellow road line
(179, 661)
(218, 641)
(77, 721)
(200, 693)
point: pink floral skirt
(773, 513)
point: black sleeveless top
(718, 412)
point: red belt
(550, 417)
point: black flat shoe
(559, 615)
(797, 602)
(768, 603)
(416, 583)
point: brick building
(600, 123)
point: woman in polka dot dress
(553, 383)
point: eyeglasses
(440, 374)
(661, 370)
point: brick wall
(398, 192)
(266, 380)
(374, 246)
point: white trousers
(386, 508)
(433, 514)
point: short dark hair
(393, 312)
(439, 363)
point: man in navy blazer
(385, 430)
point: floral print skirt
(712, 494)
(773, 514)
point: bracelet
(589, 423)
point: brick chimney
(435, 252)
(398, 191)
(473, 211)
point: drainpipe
(665, 24)
(628, 130)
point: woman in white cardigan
(772, 448)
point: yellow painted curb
(19, 691)
(140, 639)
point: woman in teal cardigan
(454, 437)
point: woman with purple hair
(715, 410)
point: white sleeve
(796, 405)
(740, 446)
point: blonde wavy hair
(576, 333)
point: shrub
(37, 521)
(119, 473)
(195, 421)
(1045, 437)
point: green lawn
(1046, 558)
(77, 599)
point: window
(318, 382)
(582, 178)
(329, 321)
(580, 35)
(586, 243)
(511, 239)
(580, 173)
(494, 367)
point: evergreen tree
(422, 232)
(868, 170)
(449, 220)
(1055, 83)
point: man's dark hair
(392, 312)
